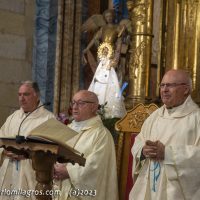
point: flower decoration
(62, 117)
(101, 111)
(109, 123)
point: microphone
(19, 138)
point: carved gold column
(141, 13)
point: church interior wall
(16, 39)
(17, 29)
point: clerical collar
(171, 110)
(77, 126)
(172, 107)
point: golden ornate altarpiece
(177, 40)
(182, 41)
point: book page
(54, 131)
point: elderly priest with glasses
(167, 150)
(98, 179)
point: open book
(51, 134)
(53, 131)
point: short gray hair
(32, 84)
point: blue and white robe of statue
(106, 85)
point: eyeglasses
(171, 85)
(80, 103)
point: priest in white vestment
(97, 180)
(167, 150)
(19, 175)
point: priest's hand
(12, 156)
(60, 171)
(154, 150)
(160, 151)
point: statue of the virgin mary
(106, 85)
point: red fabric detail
(129, 183)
